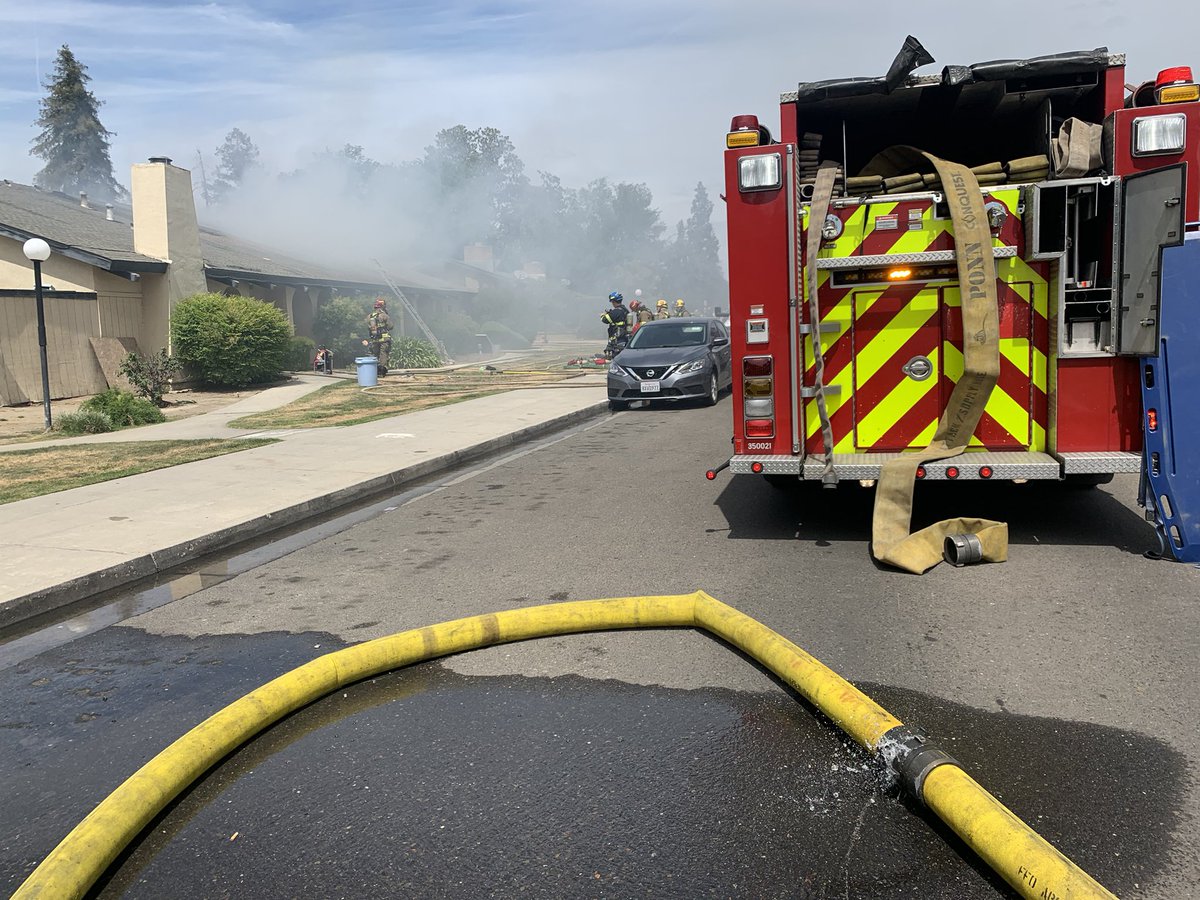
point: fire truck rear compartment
(1001, 111)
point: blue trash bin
(368, 370)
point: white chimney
(108, 211)
(83, 200)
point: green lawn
(31, 473)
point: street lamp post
(38, 251)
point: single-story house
(115, 274)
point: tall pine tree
(73, 143)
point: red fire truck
(1092, 195)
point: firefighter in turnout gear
(617, 320)
(642, 314)
(680, 309)
(379, 331)
(661, 311)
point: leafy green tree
(478, 178)
(235, 158)
(230, 341)
(692, 264)
(72, 142)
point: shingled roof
(85, 233)
(27, 212)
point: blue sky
(636, 91)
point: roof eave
(124, 268)
(267, 278)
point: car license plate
(650, 387)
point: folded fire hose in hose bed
(967, 538)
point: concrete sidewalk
(63, 547)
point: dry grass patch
(345, 403)
(31, 473)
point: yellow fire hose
(1026, 861)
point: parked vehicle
(672, 360)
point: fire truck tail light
(1152, 419)
(762, 408)
(1154, 135)
(920, 471)
(985, 472)
(760, 428)
(756, 468)
(756, 365)
(951, 471)
(757, 387)
(761, 172)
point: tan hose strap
(822, 193)
(891, 541)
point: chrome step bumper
(1005, 465)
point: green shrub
(341, 325)
(124, 409)
(413, 353)
(86, 421)
(230, 341)
(504, 337)
(301, 353)
(150, 376)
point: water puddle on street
(424, 782)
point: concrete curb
(46, 600)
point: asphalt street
(638, 763)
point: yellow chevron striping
(919, 241)
(833, 402)
(925, 438)
(888, 340)
(1040, 380)
(851, 237)
(842, 312)
(1016, 351)
(877, 209)
(899, 402)
(1009, 414)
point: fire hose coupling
(962, 549)
(907, 751)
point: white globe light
(638, 292)
(36, 248)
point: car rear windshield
(682, 334)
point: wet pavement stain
(424, 782)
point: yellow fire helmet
(662, 302)
(679, 303)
